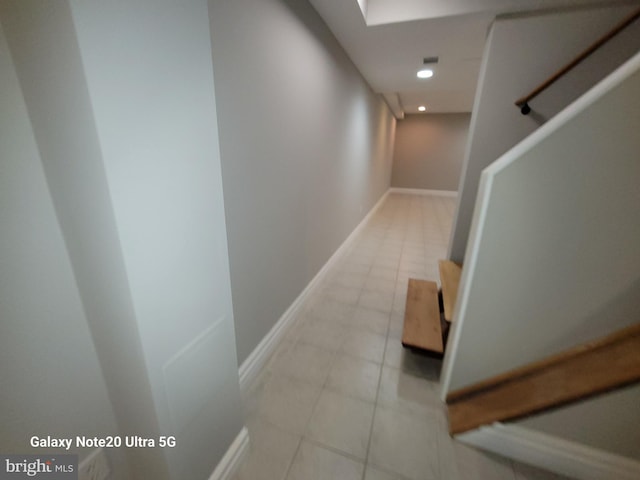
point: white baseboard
(259, 356)
(422, 191)
(551, 453)
(230, 463)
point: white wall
(552, 260)
(383, 11)
(520, 54)
(51, 379)
(122, 104)
(428, 151)
(48, 67)
(155, 115)
(306, 152)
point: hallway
(340, 398)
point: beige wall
(429, 150)
(306, 152)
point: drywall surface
(45, 53)
(51, 379)
(597, 422)
(520, 54)
(150, 80)
(429, 150)
(553, 259)
(121, 99)
(306, 152)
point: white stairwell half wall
(551, 263)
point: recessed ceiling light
(422, 108)
(425, 73)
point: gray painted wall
(306, 152)
(429, 150)
(51, 379)
(121, 99)
(553, 257)
(520, 54)
(597, 422)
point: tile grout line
(303, 437)
(390, 218)
(384, 353)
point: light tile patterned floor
(340, 398)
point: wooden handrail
(523, 102)
(578, 373)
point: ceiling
(388, 39)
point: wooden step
(581, 372)
(450, 273)
(422, 317)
